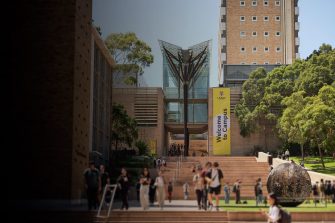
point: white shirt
(159, 181)
(198, 181)
(215, 178)
(274, 214)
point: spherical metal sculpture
(291, 183)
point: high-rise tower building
(257, 32)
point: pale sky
(188, 22)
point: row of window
(254, 49)
(254, 63)
(254, 18)
(254, 3)
(254, 33)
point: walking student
(274, 212)
(144, 189)
(93, 185)
(198, 181)
(160, 189)
(186, 188)
(170, 189)
(123, 182)
(214, 178)
(208, 167)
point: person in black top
(152, 191)
(123, 184)
(104, 176)
(93, 185)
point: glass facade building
(198, 88)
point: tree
(324, 48)
(318, 123)
(319, 71)
(252, 93)
(123, 128)
(281, 96)
(143, 148)
(290, 121)
(131, 56)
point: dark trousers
(238, 197)
(170, 196)
(204, 198)
(92, 198)
(124, 197)
(199, 194)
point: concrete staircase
(245, 168)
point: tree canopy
(131, 56)
(123, 127)
(298, 97)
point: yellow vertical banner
(152, 146)
(221, 121)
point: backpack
(285, 217)
(234, 189)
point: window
(277, 18)
(266, 49)
(266, 33)
(266, 18)
(254, 49)
(278, 49)
(266, 62)
(266, 3)
(277, 33)
(242, 49)
(242, 3)
(278, 62)
(254, 63)
(242, 63)
(242, 33)
(254, 18)
(277, 3)
(254, 3)
(242, 18)
(254, 33)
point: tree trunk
(302, 151)
(186, 139)
(321, 157)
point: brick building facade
(51, 78)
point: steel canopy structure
(186, 67)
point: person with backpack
(258, 191)
(214, 178)
(276, 214)
(237, 191)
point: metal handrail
(114, 186)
